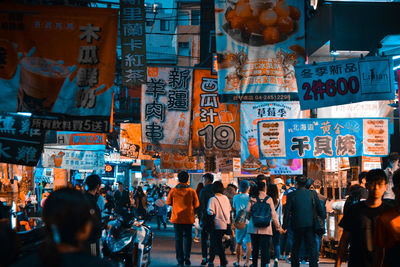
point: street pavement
(163, 252)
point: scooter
(127, 244)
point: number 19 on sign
(222, 137)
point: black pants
(260, 242)
(307, 234)
(183, 242)
(205, 237)
(216, 247)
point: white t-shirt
(220, 206)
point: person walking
(161, 207)
(274, 191)
(387, 231)
(301, 207)
(359, 223)
(184, 201)
(220, 208)
(261, 211)
(140, 203)
(206, 220)
(197, 229)
(121, 197)
(240, 203)
(93, 183)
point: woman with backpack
(220, 207)
(262, 214)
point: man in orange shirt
(184, 201)
(387, 230)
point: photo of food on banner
(258, 44)
(177, 162)
(251, 114)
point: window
(183, 45)
(196, 17)
(164, 25)
(149, 23)
(183, 18)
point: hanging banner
(166, 105)
(59, 62)
(19, 144)
(323, 138)
(258, 45)
(73, 159)
(133, 48)
(74, 139)
(345, 81)
(251, 114)
(216, 126)
(177, 162)
(370, 163)
(131, 141)
(357, 110)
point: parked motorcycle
(127, 243)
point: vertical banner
(251, 114)
(60, 62)
(133, 45)
(216, 126)
(131, 141)
(258, 45)
(166, 105)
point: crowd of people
(263, 220)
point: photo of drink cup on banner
(59, 62)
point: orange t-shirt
(387, 229)
(183, 200)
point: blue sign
(323, 138)
(344, 82)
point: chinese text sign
(133, 45)
(19, 144)
(216, 126)
(344, 82)
(59, 61)
(323, 138)
(166, 105)
(251, 114)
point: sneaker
(187, 262)
(235, 264)
(197, 240)
(204, 261)
(276, 263)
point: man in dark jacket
(207, 221)
(121, 196)
(301, 206)
(93, 183)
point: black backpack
(261, 213)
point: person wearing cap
(243, 239)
